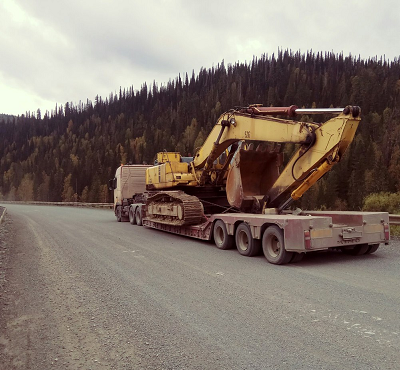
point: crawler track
(174, 208)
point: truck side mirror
(112, 183)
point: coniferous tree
(74, 149)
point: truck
(237, 190)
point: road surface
(82, 291)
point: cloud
(62, 51)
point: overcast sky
(56, 51)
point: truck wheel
(118, 213)
(245, 244)
(372, 248)
(221, 238)
(138, 216)
(273, 246)
(132, 217)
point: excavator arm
(307, 166)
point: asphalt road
(82, 291)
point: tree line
(69, 154)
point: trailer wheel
(297, 257)
(372, 248)
(118, 213)
(138, 216)
(357, 250)
(245, 243)
(221, 238)
(132, 217)
(273, 246)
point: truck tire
(118, 213)
(138, 216)
(132, 217)
(245, 243)
(273, 245)
(221, 238)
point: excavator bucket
(251, 175)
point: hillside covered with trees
(70, 153)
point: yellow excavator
(239, 165)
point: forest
(69, 154)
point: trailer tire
(245, 243)
(372, 248)
(357, 250)
(118, 213)
(273, 246)
(132, 216)
(138, 216)
(297, 257)
(221, 238)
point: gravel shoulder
(47, 320)
(15, 327)
(26, 316)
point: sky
(53, 52)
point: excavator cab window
(186, 159)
